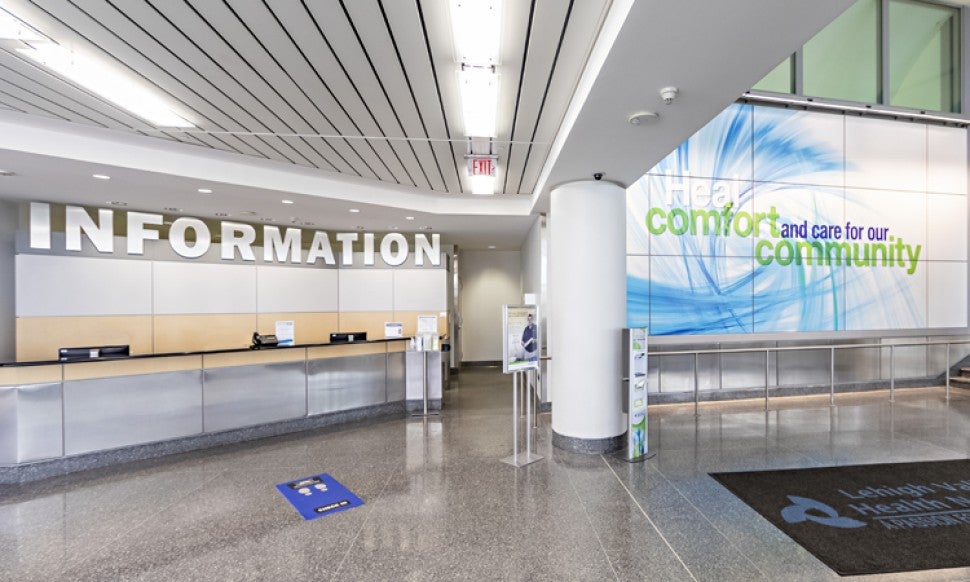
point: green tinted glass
(842, 61)
(779, 79)
(924, 61)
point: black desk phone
(264, 341)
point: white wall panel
(193, 288)
(885, 298)
(291, 290)
(489, 279)
(946, 223)
(822, 132)
(947, 160)
(886, 154)
(420, 290)
(76, 286)
(903, 213)
(947, 295)
(366, 290)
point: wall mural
(772, 220)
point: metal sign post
(520, 378)
(521, 346)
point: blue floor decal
(317, 496)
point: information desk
(53, 411)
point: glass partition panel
(842, 61)
(924, 56)
(780, 79)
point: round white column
(587, 301)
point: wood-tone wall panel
(370, 321)
(255, 357)
(398, 346)
(410, 321)
(310, 328)
(113, 369)
(38, 338)
(198, 333)
(30, 375)
(344, 350)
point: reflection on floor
(441, 506)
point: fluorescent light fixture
(408, 218)
(482, 185)
(479, 100)
(476, 25)
(106, 82)
(12, 28)
(101, 176)
(286, 201)
(205, 191)
(354, 210)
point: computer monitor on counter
(345, 337)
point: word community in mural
(791, 243)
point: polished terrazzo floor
(441, 506)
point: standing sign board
(636, 348)
(521, 343)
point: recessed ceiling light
(248, 213)
(491, 246)
(307, 224)
(393, 227)
(101, 176)
(172, 209)
(222, 214)
(360, 227)
(117, 203)
(6, 173)
(205, 191)
(286, 201)
(266, 219)
(425, 228)
(408, 218)
(354, 210)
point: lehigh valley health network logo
(805, 509)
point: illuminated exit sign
(481, 166)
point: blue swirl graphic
(711, 283)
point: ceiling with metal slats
(365, 88)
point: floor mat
(868, 519)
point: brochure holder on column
(635, 394)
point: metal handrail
(831, 348)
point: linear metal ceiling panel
(302, 25)
(405, 22)
(539, 62)
(354, 59)
(573, 49)
(366, 88)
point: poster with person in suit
(522, 344)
